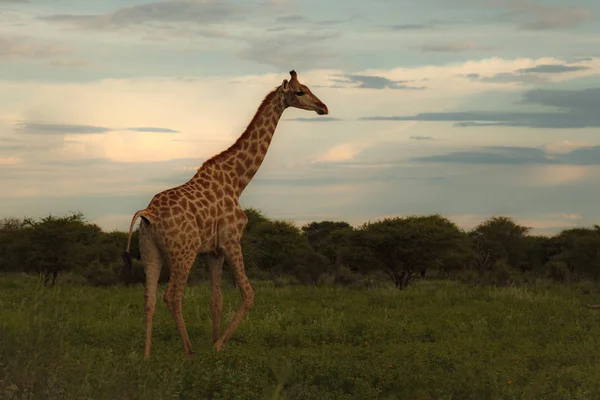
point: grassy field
(435, 340)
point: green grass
(435, 340)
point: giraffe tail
(126, 256)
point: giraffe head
(298, 95)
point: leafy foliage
(405, 247)
(59, 244)
(496, 252)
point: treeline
(496, 252)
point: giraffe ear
(284, 85)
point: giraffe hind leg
(180, 269)
(153, 262)
(233, 253)
(215, 262)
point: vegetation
(410, 307)
(436, 340)
(497, 252)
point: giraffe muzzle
(322, 109)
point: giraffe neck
(242, 160)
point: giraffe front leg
(215, 261)
(233, 253)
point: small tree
(14, 243)
(498, 239)
(579, 249)
(61, 244)
(331, 239)
(405, 247)
(276, 247)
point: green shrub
(558, 271)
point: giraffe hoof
(219, 345)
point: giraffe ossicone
(203, 215)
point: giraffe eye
(300, 93)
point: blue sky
(460, 107)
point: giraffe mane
(220, 156)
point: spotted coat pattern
(203, 215)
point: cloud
(585, 100)
(490, 155)
(69, 63)
(394, 184)
(201, 13)
(553, 68)
(314, 119)
(511, 77)
(9, 160)
(409, 27)
(532, 15)
(530, 75)
(454, 47)
(557, 175)
(282, 50)
(373, 82)
(433, 23)
(291, 19)
(508, 155)
(65, 129)
(339, 153)
(564, 146)
(19, 47)
(58, 129)
(416, 137)
(578, 110)
(151, 129)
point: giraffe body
(203, 215)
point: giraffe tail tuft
(127, 263)
(126, 255)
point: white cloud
(563, 147)
(343, 152)
(210, 113)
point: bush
(346, 277)
(501, 274)
(98, 274)
(558, 271)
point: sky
(464, 108)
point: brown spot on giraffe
(203, 215)
(253, 147)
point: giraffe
(204, 215)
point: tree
(537, 252)
(331, 239)
(579, 249)
(61, 244)
(405, 247)
(250, 241)
(498, 239)
(13, 244)
(276, 246)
